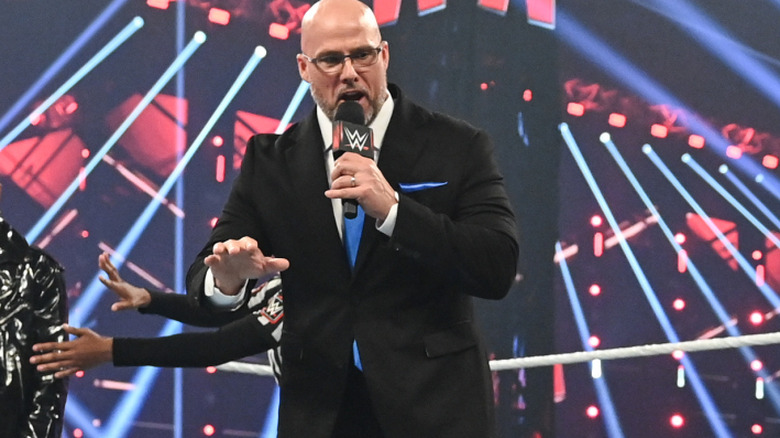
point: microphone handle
(349, 206)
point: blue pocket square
(416, 187)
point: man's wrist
(146, 299)
(218, 298)
(230, 290)
(387, 226)
(108, 351)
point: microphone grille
(352, 112)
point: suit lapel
(399, 156)
(305, 167)
(403, 143)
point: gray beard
(331, 112)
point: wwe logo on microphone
(352, 137)
(355, 139)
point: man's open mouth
(351, 95)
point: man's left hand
(357, 177)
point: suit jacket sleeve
(237, 220)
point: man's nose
(348, 69)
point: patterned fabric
(269, 310)
(33, 307)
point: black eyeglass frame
(338, 60)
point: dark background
(471, 62)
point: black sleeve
(238, 339)
(178, 307)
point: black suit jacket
(408, 301)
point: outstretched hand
(232, 262)
(88, 350)
(130, 296)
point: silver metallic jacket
(33, 307)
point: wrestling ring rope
(581, 356)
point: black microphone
(350, 134)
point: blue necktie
(352, 231)
(353, 228)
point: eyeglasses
(332, 62)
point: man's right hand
(88, 350)
(235, 261)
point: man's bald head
(327, 16)
(347, 31)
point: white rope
(637, 351)
(581, 356)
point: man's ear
(303, 68)
(386, 54)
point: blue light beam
(109, 48)
(724, 169)
(92, 293)
(178, 63)
(60, 62)
(300, 93)
(602, 56)
(178, 256)
(715, 39)
(688, 159)
(611, 422)
(747, 353)
(78, 415)
(271, 417)
(704, 398)
(767, 291)
(121, 419)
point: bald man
(388, 347)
